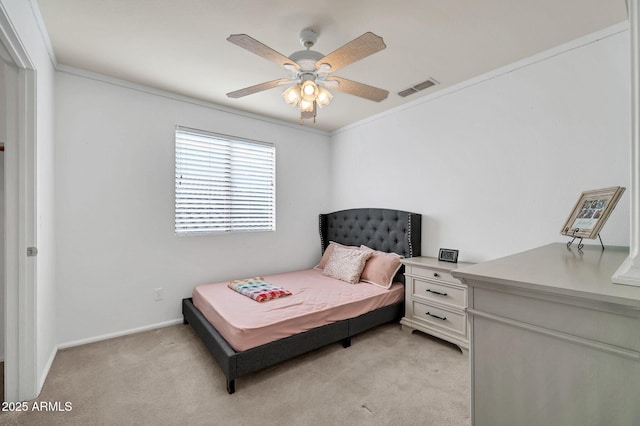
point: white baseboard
(45, 371)
(119, 334)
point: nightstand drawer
(440, 317)
(433, 274)
(439, 292)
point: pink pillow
(346, 264)
(381, 268)
(328, 251)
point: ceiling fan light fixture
(292, 95)
(309, 91)
(306, 106)
(324, 97)
(309, 71)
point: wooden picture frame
(591, 212)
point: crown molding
(42, 28)
(78, 72)
(523, 63)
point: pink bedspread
(317, 300)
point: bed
(389, 231)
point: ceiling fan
(311, 72)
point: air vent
(407, 92)
(418, 87)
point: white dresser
(435, 301)
(553, 341)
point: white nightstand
(435, 301)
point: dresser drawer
(433, 274)
(441, 318)
(593, 323)
(440, 292)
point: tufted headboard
(391, 231)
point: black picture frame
(448, 255)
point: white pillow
(346, 264)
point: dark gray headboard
(391, 231)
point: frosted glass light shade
(309, 91)
(292, 95)
(324, 97)
(306, 106)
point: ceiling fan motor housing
(308, 37)
(306, 59)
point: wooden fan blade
(257, 88)
(361, 47)
(254, 46)
(359, 89)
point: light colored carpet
(167, 377)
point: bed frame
(381, 229)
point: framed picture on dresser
(591, 212)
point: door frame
(21, 381)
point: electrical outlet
(158, 294)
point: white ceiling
(180, 45)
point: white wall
(25, 21)
(496, 165)
(115, 217)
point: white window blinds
(223, 184)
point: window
(223, 183)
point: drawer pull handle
(437, 292)
(435, 316)
(435, 274)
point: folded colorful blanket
(257, 289)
